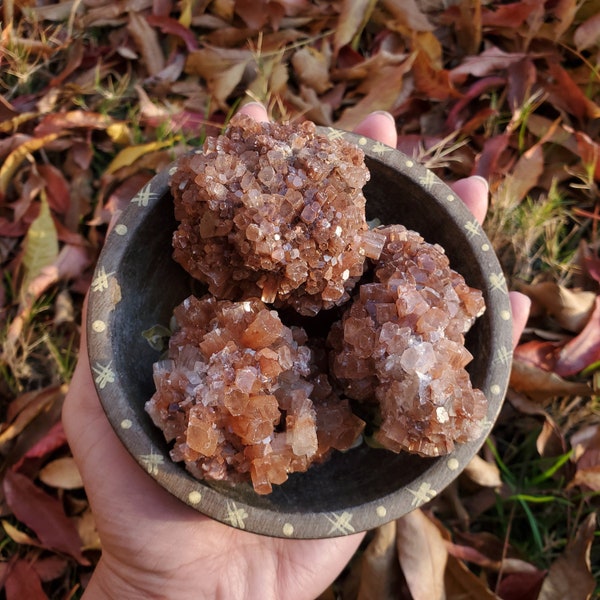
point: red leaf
(57, 188)
(521, 586)
(43, 514)
(488, 161)
(173, 27)
(583, 350)
(54, 439)
(23, 582)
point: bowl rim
(105, 295)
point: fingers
(255, 110)
(473, 191)
(520, 305)
(379, 126)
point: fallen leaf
(17, 156)
(86, 527)
(56, 123)
(23, 582)
(460, 583)
(129, 155)
(550, 441)
(570, 309)
(312, 69)
(221, 68)
(539, 383)
(18, 536)
(173, 27)
(483, 473)
(511, 15)
(353, 15)
(422, 555)
(32, 404)
(379, 571)
(521, 585)
(41, 246)
(588, 33)
(146, 41)
(43, 514)
(524, 175)
(570, 575)
(50, 568)
(583, 350)
(61, 473)
(407, 15)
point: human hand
(154, 546)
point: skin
(154, 546)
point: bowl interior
(137, 285)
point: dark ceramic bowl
(137, 285)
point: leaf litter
(98, 96)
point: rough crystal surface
(274, 211)
(239, 395)
(401, 344)
(272, 217)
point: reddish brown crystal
(401, 344)
(235, 395)
(275, 211)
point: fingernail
(484, 182)
(385, 113)
(254, 103)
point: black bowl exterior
(137, 284)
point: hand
(154, 546)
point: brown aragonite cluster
(271, 218)
(401, 344)
(240, 397)
(273, 211)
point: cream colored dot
(495, 389)
(409, 163)
(381, 511)
(99, 326)
(485, 247)
(453, 464)
(288, 529)
(121, 229)
(126, 424)
(450, 198)
(362, 141)
(194, 497)
(505, 315)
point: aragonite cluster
(272, 220)
(401, 344)
(273, 211)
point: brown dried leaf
(86, 527)
(588, 33)
(571, 309)
(18, 536)
(31, 405)
(221, 68)
(570, 575)
(62, 473)
(541, 384)
(383, 81)
(461, 583)
(379, 573)
(312, 69)
(523, 176)
(407, 16)
(353, 14)
(483, 473)
(17, 156)
(422, 555)
(146, 41)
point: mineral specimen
(401, 344)
(274, 211)
(236, 395)
(273, 217)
